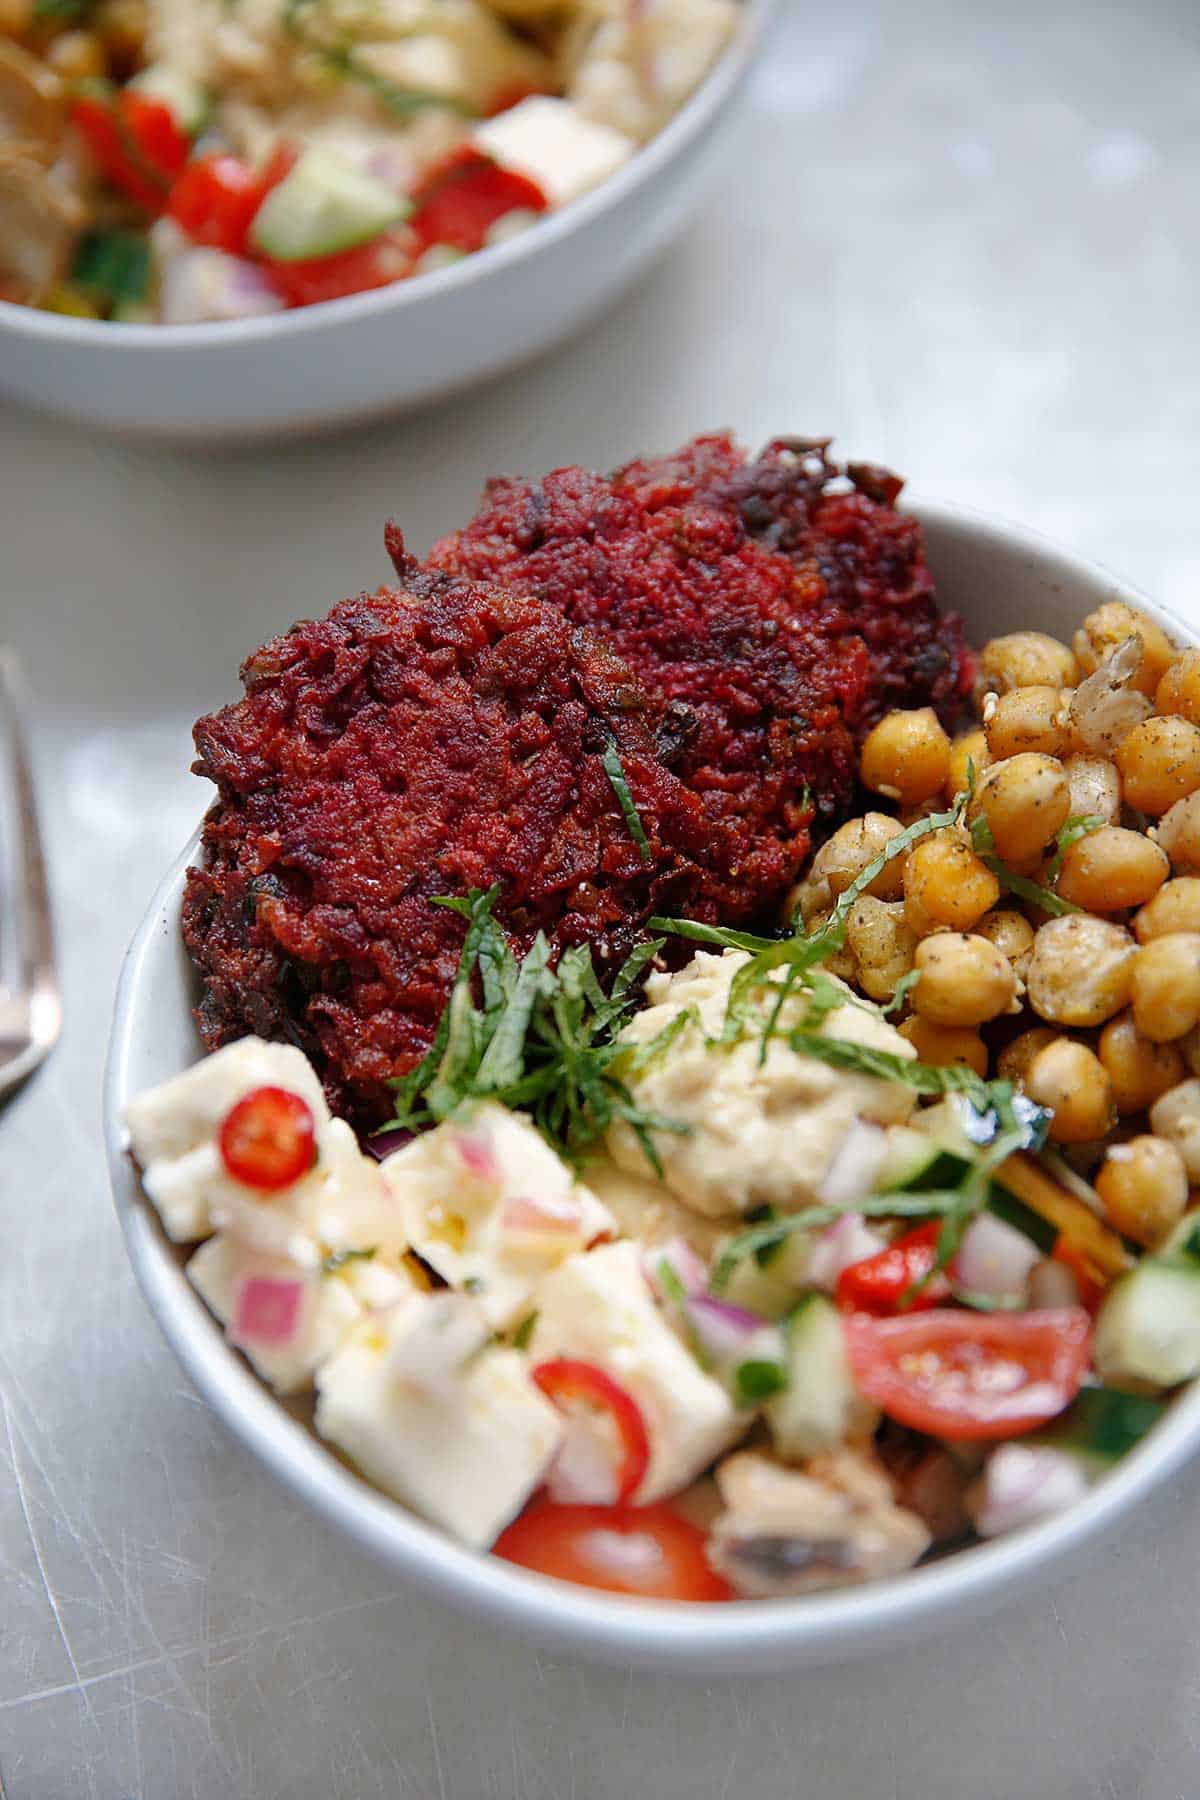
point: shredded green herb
(113, 268)
(620, 786)
(904, 988)
(524, 1331)
(337, 1259)
(543, 1039)
(1080, 825)
(1045, 897)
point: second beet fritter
(417, 743)
(782, 599)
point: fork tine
(34, 927)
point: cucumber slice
(1185, 1239)
(820, 1407)
(190, 106)
(1148, 1329)
(321, 206)
(1102, 1424)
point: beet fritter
(416, 743)
(782, 600)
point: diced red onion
(476, 1152)
(268, 1311)
(542, 1219)
(995, 1259)
(728, 1335)
(854, 1168)
(382, 1144)
(1023, 1483)
(847, 1241)
(201, 286)
(681, 1259)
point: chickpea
(809, 898)
(1176, 1118)
(1178, 833)
(1026, 659)
(943, 1045)
(846, 854)
(1179, 690)
(77, 56)
(1024, 799)
(906, 756)
(946, 884)
(1095, 789)
(971, 747)
(1071, 1079)
(1189, 1049)
(964, 980)
(1144, 1187)
(882, 944)
(1014, 1060)
(1140, 1070)
(1111, 869)
(1011, 933)
(1166, 986)
(841, 963)
(1027, 719)
(16, 17)
(1175, 907)
(1104, 709)
(1080, 971)
(1159, 762)
(1110, 625)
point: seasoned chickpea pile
(1052, 934)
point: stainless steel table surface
(966, 240)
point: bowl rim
(674, 140)
(745, 1636)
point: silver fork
(30, 1003)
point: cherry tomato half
(385, 259)
(970, 1375)
(269, 1139)
(570, 1384)
(462, 198)
(216, 197)
(889, 1281)
(136, 141)
(645, 1550)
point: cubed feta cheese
(598, 1307)
(463, 1442)
(551, 142)
(490, 1206)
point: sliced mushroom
(40, 221)
(33, 103)
(831, 1524)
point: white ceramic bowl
(379, 352)
(1001, 579)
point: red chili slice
(216, 197)
(971, 1375)
(571, 1383)
(463, 197)
(890, 1281)
(644, 1550)
(136, 141)
(269, 1139)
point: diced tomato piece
(136, 141)
(462, 198)
(216, 198)
(570, 1383)
(971, 1375)
(649, 1551)
(269, 1139)
(385, 259)
(889, 1281)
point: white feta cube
(598, 1308)
(490, 1206)
(464, 1442)
(553, 144)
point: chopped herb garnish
(113, 268)
(904, 988)
(620, 787)
(1080, 825)
(756, 1381)
(337, 1259)
(474, 1284)
(543, 1039)
(760, 1240)
(524, 1331)
(1020, 885)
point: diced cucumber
(762, 1289)
(1148, 1329)
(820, 1407)
(1185, 1239)
(321, 206)
(909, 1159)
(1102, 1424)
(190, 106)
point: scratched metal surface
(969, 245)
